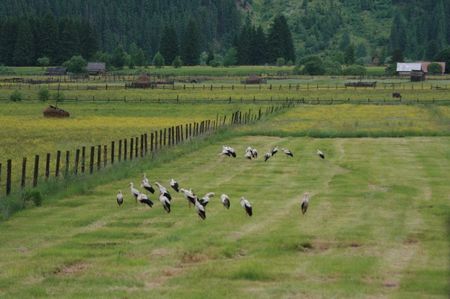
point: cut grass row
(377, 227)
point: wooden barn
(144, 81)
(96, 68)
(407, 68)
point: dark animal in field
(397, 95)
(305, 202)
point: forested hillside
(230, 31)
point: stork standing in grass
(248, 155)
(175, 186)
(163, 190)
(205, 199)
(305, 202)
(247, 206)
(254, 153)
(225, 200)
(146, 185)
(228, 151)
(143, 199)
(189, 195)
(135, 192)
(274, 151)
(287, 152)
(320, 154)
(267, 156)
(119, 198)
(165, 202)
(200, 210)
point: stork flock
(200, 203)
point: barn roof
(409, 67)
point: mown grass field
(378, 226)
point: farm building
(406, 68)
(56, 71)
(144, 81)
(96, 68)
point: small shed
(53, 111)
(254, 79)
(418, 76)
(96, 68)
(56, 71)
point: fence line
(94, 158)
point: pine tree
(279, 41)
(169, 44)
(191, 44)
(8, 37)
(88, 40)
(243, 45)
(398, 33)
(24, 47)
(69, 42)
(47, 41)
(438, 27)
(349, 55)
(118, 57)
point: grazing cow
(397, 95)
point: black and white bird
(247, 206)
(287, 152)
(135, 192)
(228, 151)
(320, 154)
(146, 185)
(165, 202)
(143, 199)
(174, 184)
(189, 195)
(305, 202)
(248, 155)
(267, 156)
(254, 153)
(205, 199)
(225, 200)
(119, 198)
(163, 190)
(200, 210)
(274, 150)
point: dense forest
(222, 31)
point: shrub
(177, 62)
(59, 97)
(435, 69)
(43, 61)
(43, 95)
(217, 61)
(5, 70)
(355, 70)
(332, 68)
(158, 60)
(281, 61)
(16, 96)
(34, 196)
(76, 65)
(230, 57)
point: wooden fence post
(91, 161)
(160, 138)
(24, 173)
(36, 170)
(165, 137)
(112, 151)
(125, 146)
(190, 130)
(83, 159)
(145, 144)
(8, 176)
(67, 163)
(170, 137)
(99, 157)
(58, 163)
(47, 167)
(136, 147)
(142, 146)
(105, 155)
(131, 147)
(77, 161)
(151, 141)
(119, 156)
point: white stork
(135, 192)
(146, 185)
(274, 150)
(254, 153)
(163, 190)
(320, 154)
(228, 151)
(225, 200)
(205, 199)
(287, 152)
(143, 199)
(305, 202)
(175, 186)
(189, 195)
(267, 156)
(119, 198)
(165, 202)
(248, 155)
(200, 210)
(247, 206)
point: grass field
(378, 226)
